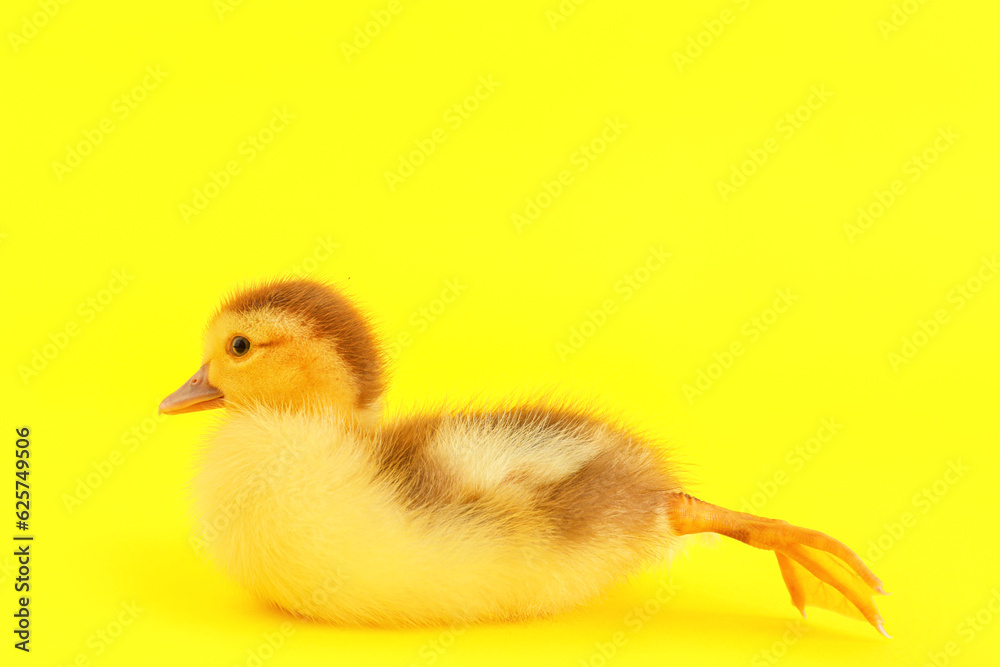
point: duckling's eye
(239, 346)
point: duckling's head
(286, 344)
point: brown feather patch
(402, 459)
(614, 493)
(332, 317)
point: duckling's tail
(818, 570)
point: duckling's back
(440, 518)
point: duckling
(314, 502)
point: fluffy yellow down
(292, 507)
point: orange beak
(195, 394)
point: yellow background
(321, 182)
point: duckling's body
(315, 503)
(431, 519)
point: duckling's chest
(270, 490)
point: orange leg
(818, 570)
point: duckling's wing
(568, 475)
